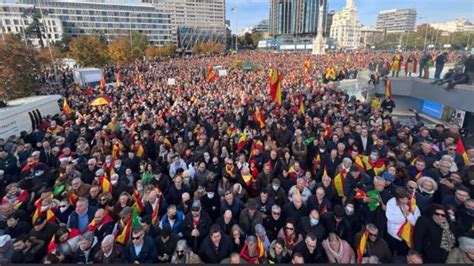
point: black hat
(354, 169)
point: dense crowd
(211, 169)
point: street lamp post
(236, 36)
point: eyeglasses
(290, 228)
(62, 206)
(412, 188)
(276, 213)
(104, 199)
(136, 237)
(440, 214)
(374, 235)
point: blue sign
(433, 109)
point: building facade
(262, 26)
(110, 19)
(345, 28)
(295, 17)
(370, 36)
(397, 20)
(13, 20)
(456, 25)
(195, 21)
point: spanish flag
(406, 233)
(358, 162)
(274, 81)
(167, 142)
(307, 66)
(72, 197)
(138, 205)
(260, 248)
(66, 109)
(211, 74)
(292, 173)
(140, 151)
(388, 88)
(102, 83)
(339, 181)
(259, 118)
(325, 171)
(105, 184)
(118, 78)
(418, 175)
(362, 245)
(330, 73)
(231, 131)
(50, 216)
(412, 203)
(256, 145)
(460, 149)
(124, 235)
(243, 139)
(360, 194)
(116, 149)
(301, 107)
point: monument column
(319, 42)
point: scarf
(338, 255)
(447, 237)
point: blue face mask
(314, 221)
(374, 157)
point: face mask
(139, 188)
(374, 157)
(63, 209)
(275, 187)
(117, 165)
(108, 161)
(349, 210)
(210, 195)
(321, 151)
(39, 173)
(314, 221)
(114, 182)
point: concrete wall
(462, 97)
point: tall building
(295, 17)
(345, 28)
(330, 16)
(455, 25)
(397, 20)
(13, 20)
(262, 26)
(110, 19)
(194, 21)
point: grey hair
(372, 227)
(182, 243)
(276, 208)
(379, 179)
(109, 239)
(466, 243)
(84, 200)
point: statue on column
(319, 42)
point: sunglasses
(62, 206)
(276, 213)
(374, 235)
(136, 237)
(413, 188)
(290, 228)
(440, 214)
(180, 251)
(195, 209)
(103, 199)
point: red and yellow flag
(259, 118)
(140, 151)
(339, 181)
(406, 233)
(105, 184)
(243, 139)
(50, 216)
(388, 88)
(66, 108)
(274, 81)
(118, 78)
(301, 107)
(412, 203)
(307, 66)
(460, 149)
(211, 74)
(72, 197)
(358, 162)
(362, 245)
(102, 83)
(360, 194)
(138, 205)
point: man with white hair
(301, 189)
(109, 252)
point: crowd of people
(209, 169)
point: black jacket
(209, 254)
(81, 257)
(343, 229)
(147, 254)
(319, 256)
(203, 227)
(427, 240)
(305, 227)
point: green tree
(209, 47)
(18, 68)
(139, 43)
(63, 44)
(256, 37)
(88, 51)
(34, 29)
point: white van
(26, 114)
(87, 76)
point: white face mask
(117, 165)
(63, 209)
(139, 188)
(210, 195)
(113, 182)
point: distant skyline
(250, 12)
